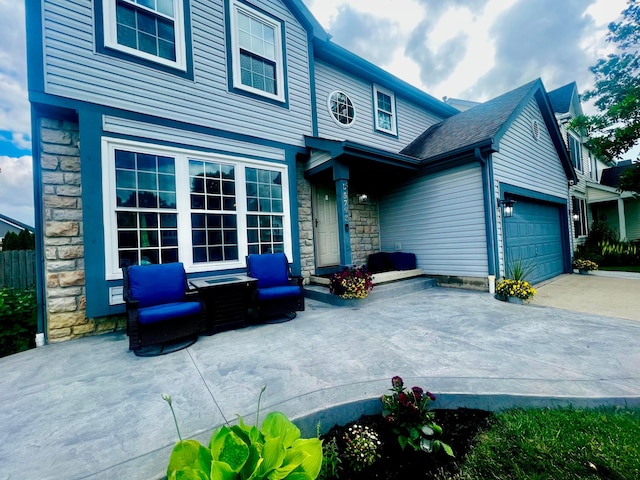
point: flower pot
(517, 300)
(582, 271)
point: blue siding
(528, 163)
(73, 70)
(441, 219)
(412, 120)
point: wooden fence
(17, 269)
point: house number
(345, 202)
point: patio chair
(279, 294)
(162, 315)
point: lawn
(628, 268)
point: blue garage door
(534, 236)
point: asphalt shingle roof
(611, 176)
(465, 129)
(560, 98)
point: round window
(341, 108)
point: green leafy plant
(520, 269)
(584, 264)
(351, 282)
(515, 288)
(362, 446)
(245, 452)
(18, 322)
(407, 410)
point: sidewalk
(90, 409)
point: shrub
(583, 264)
(18, 320)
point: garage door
(534, 235)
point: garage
(534, 234)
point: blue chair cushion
(167, 311)
(274, 293)
(271, 269)
(157, 284)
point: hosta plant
(407, 410)
(245, 452)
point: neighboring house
(201, 132)
(594, 196)
(10, 225)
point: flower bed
(354, 282)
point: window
(579, 215)
(385, 110)
(575, 149)
(149, 29)
(265, 232)
(341, 109)
(257, 52)
(208, 211)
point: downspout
(39, 229)
(489, 215)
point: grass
(557, 444)
(626, 268)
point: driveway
(612, 294)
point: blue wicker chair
(279, 294)
(161, 312)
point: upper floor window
(385, 110)
(149, 29)
(575, 149)
(341, 107)
(257, 52)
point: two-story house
(594, 196)
(200, 132)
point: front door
(326, 228)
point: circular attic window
(341, 108)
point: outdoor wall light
(506, 205)
(575, 217)
(362, 198)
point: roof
(342, 58)
(484, 125)
(477, 126)
(611, 176)
(562, 97)
(8, 224)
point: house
(10, 225)
(594, 196)
(203, 131)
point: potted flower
(584, 266)
(351, 282)
(515, 291)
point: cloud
(16, 188)
(366, 35)
(529, 45)
(14, 101)
(435, 8)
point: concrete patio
(90, 409)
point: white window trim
(394, 120)
(578, 142)
(236, 7)
(335, 120)
(110, 27)
(183, 204)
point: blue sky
(469, 49)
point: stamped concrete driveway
(613, 294)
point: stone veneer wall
(364, 228)
(65, 291)
(305, 224)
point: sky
(467, 49)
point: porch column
(622, 220)
(341, 179)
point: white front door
(326, 228)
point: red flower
(396, 382)
(417, 392)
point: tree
(24, 240)
(616, 129)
